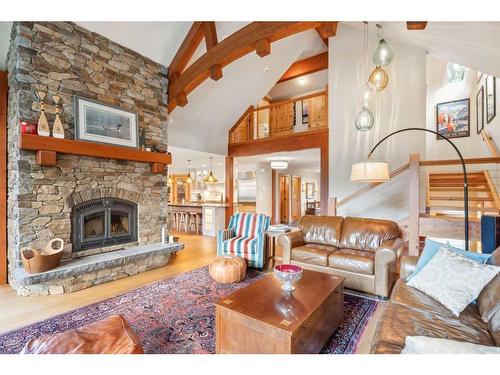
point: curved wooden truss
(256, 36)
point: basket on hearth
(36, 261)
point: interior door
(284, 199)
(296, 198)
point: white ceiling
(307, 160)
(199, 160)
(5, 29)
(300, 86)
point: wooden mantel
(47, 148)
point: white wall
(400, 105)
(264, 189)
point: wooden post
(414, 205)
(3, 177)
(229, 183)
(332, 206)
(324, 168)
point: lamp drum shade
(370, 172)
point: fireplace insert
(103, 222)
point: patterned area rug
(177, 315)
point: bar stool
(194, 221)
(175, 220)
(183, 220)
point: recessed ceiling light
(302, 81)
(266, 69)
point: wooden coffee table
(261, 318)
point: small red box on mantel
(28, 128)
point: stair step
(460, 175)
(460, 208)
(457, 188)
(461, 198)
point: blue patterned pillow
(432, 247)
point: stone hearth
(64, 59)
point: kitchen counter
(199, 204)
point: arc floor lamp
(371, 171)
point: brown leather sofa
(363, 251)
(412, 313)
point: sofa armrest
(288, 241)
(386, 257)
(407, 266)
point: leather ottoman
(227, 269)
(112, 335)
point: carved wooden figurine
(43, 125)
(57, 129)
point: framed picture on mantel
(103, 123)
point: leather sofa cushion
(356, 261)
(312, 254)
(404, 294)
(323, 230)
(494, 327)
(382, 347)
(112, 335)
(399, 321)
(488, 301)
(366, 234)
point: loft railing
(303, 114)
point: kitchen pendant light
(211, 178)
(383, 54)
(189, 179)
(169, 179)
(378, 79)
(364, 120)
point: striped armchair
(245, 238)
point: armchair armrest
(386, 257)
(223, 235)
(288, 241)
(407, 266)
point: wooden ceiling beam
(210, 33)
(327, 29)
(306, 66)
(263, 47)
(186, 50)
(416, 25)
(228, 50)
(325, 40)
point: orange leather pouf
(228, 269)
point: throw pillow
(431, 345)
(453, 280)
(432, 247)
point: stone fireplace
(108, 212)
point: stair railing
(490, 144)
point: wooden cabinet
(318, 115)
(281, 120)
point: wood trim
(185, 51)
(325, 40)
(414, 205)
(229, 185)
(371, 186)
(273, 192)
(295, 142)
(84, 148)
(3, 177)
(306, 66)
(489, 143)
(431, 163)
(228, 50)
(416, 25)
(328, 29)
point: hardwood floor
(18, 311)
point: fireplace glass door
(103, 222)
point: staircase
(445, 194)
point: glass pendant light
(378, 79)
(366, 94)
(211, 178)
(383, 54)
(189, 179)
(364, 120)
(455, 72)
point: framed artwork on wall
(103, 123)
(491, 98)
(305, 112)
(310, 190)
(453, 119)
(480, 110)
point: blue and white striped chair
(245, 238)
